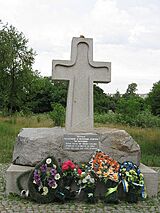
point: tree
(16, 72)
(101, 100)
(129, 107)
(131, 90)
(153, 99)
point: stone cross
(81, 71)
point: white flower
(84, 180)
(45, 190)
(55, 186)
(34, 182)
(57, 176)
(92, 180)
(88, 177)
(54, 166)
(48, 161)
(90, 194)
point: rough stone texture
(150, 176)
(34, 144)
(81, 71)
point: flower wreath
(132, 181)
(44, 180)
(104, 166)
(106, 170)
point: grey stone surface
(12, 174)
(151, 180)
(150, 176)
(34, 144)
(81, 71)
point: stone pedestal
(150, 176)
(34, 144)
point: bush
(143, 119)
(58, 114)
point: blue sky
(124, 32)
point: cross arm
(60, 69)
(102, 72)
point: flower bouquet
(87, 183)
(70, 174)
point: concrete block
(151, 180)
(150, 176)
(12, 174)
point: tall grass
(10, 127)
(147, 138)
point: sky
(125, 33)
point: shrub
(58, 114)
(143, 119)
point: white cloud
(125, 32)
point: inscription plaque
(81, 141)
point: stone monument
(79, 139)
(81, 71)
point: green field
(147, 138)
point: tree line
(24, 89)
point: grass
(10, 127)
(147, 138)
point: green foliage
(153, 99)
(16, 61)
(58, 114)
(102, 102)
(40, 95)
(131, 90)
(142, 119)
(129, 107)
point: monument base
(34, 144)
(150, 177)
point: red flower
(65, 167)
(79, 171)
(68, 165)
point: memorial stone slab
(83, 141)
